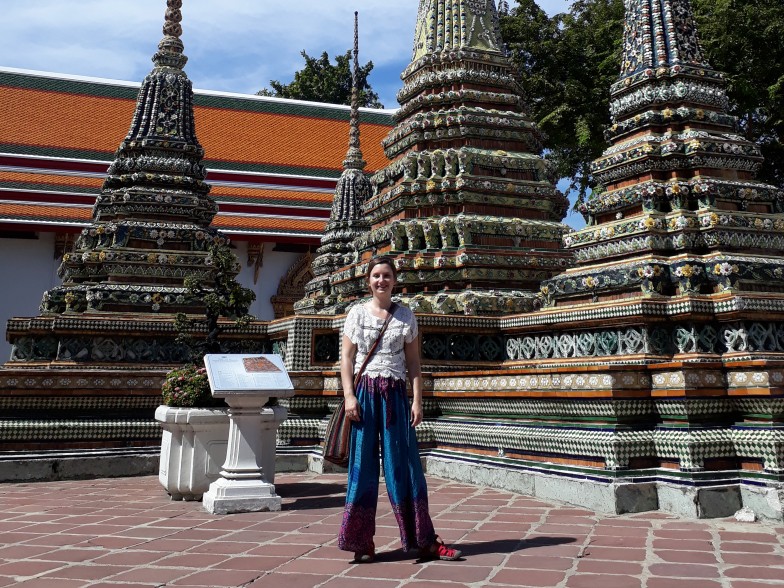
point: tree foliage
(321, 81)
(745, 40)
(568, 62)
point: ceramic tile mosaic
(692, 446)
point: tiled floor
(126, 532)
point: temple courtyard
(127, 532)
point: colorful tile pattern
(466, 206)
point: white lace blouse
(389, 359)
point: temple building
(274, 195)
(633, 365)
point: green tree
(745, 40)
(321, 81)
(568, 62)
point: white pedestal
(248, 475)
(193, 447)
(227, 496)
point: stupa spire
(346, 220)
(466, 206)
(151, 222)
(452, 25)
(170, 49)
(677, 211)
(354, 159)
(660, 34)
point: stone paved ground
(126, 532)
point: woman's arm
(347, 378)
(414, 370)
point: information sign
(246, 373)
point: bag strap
(375, 345)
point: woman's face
(382, 280)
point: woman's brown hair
(381, 260)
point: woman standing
(382, 424)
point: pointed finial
(356, 47)
(170, 48)
(172, 26)
(354, 158)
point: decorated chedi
(466, 206)
(680, 275)
(151, 220)
(346, 222)
(150, 230)
(678, 211)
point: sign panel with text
(246, 372)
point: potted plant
(196, 425)
(195, 434)
(188, 387)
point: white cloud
(233, 45)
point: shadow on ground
(311, 495)
(503, 546)
(509, 545)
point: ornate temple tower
(87, 372)
(346, 221)
(123, 282)
(679, 278)
(466, 206)
(678, 211)
(151, 221)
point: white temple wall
(27, 270)
(274, 268)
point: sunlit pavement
(126, 532)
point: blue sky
(232, 45)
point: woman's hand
(416, 413)
(351, 405)
(352, 408)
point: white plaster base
(248, 474)
(707, 502)
(767, 502)
(614, 498)
(193, 447)
(233, 496)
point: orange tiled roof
(273, 163)
(88, 123)
(272, 224)
(41, 215)
(36, 180)
(44, 181)
(45, 214)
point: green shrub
(187, 387)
